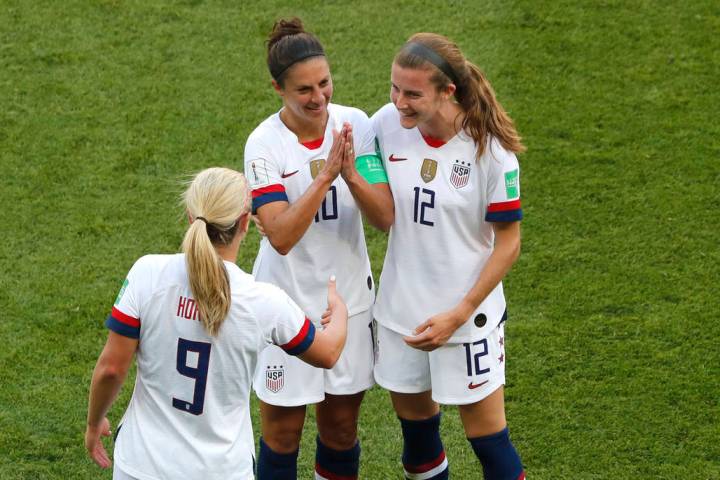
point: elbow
(515, 250)
(109, 373)
(282, 247)
(331, 359)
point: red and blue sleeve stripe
(504, 212)
(122, 324)
(302, 340)
(269, 194)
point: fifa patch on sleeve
(258, 175)
(122, 291)
(511, 184)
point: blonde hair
(484, 115)
(214, 199)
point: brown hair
(484, 115)
(215, 199)
(288, 44)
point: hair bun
(283, 28)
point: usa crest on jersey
(274, 378)
(460, 174)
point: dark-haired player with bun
(449, 152)
(314, 172)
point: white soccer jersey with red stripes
(445, 203)
(281, 169)
(189, 413)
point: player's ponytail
(484, 116)
(288, 44)
(215, 200)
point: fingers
(332, 287)
(99, 456)
(422, 327)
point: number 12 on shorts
(473, 359)
(198, 373)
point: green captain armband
(371, 168)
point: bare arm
(283, 223)
(436, 331)
(108, 377)
(374, 200)
(329, 342)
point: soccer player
(195, 323)
(449, 152)
(314, 171)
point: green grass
(613, 369)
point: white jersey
(189, 413)
(445, 202)
(279, 168)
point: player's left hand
(94, 445)
(436, 331)
(258, 225)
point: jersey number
(329, 209)
(199, 373)
(473, 360)
(419, 207)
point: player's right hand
(94, 445)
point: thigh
(466, 373)
(399, 367)
(353, 372)
(286, 381)
(484, 417)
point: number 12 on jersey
(199, 373)
(420, 206)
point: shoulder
(497, 155)
(350, 114)
(155, 262)
(266, 133)
(386, 120)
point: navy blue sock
(423, 453)
(336, 464)
(276, 466)
(500, 460)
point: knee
(340, 436)
(283, 438)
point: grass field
(614, 369)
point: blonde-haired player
(195, 323)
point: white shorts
(118, 474)
(286, 381)
(457, 373)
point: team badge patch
(428, 170)
(122, 291)
(316, 166)
(460, 174)
(274, 378)
(258, 174)
(512, 184)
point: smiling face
(306, 91)
(415, 96)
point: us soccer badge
(274, 378)
(316, 167)
(460, 174)
(428, 170)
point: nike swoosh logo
(393, 158)
(285, 175)
(473, 386)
